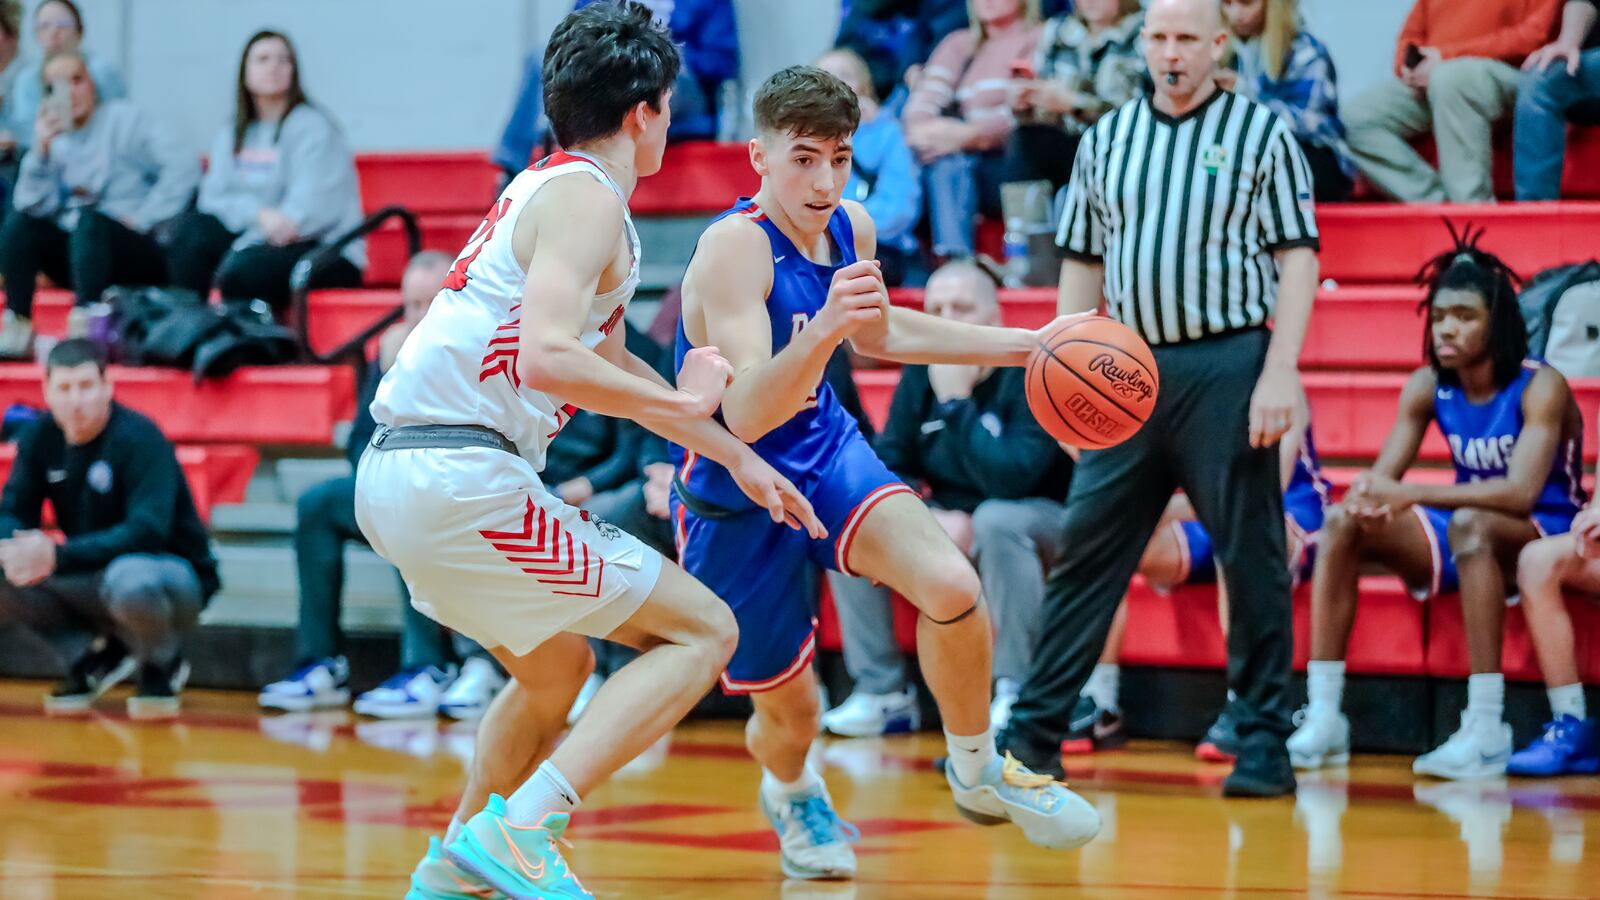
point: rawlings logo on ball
(1126, 382)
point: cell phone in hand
(1022, 68)
(57, 102)
(1413, 56)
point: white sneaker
(871, 715)
(1320, 740)
(1005, 694)
(591, 686)
(813, 841)
(408, 694)
(1048, 814)
(318, 684)
(1478, 749)
(16, 336)
(469, 696)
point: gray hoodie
(305, 170)
(120, 163)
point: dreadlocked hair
(1467, 267)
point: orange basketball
(1092, 383)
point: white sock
(1567, 700)
(1324, 686)
(451, 832)
(1103, 686)
(777, 789)
(1486, 697)
(545, 792)
(970, 754)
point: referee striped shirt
(1186, 212)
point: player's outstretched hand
(704, 376)
(1060, 322)
(783, 501)
(857, 297)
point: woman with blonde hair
(1281, 65)
(957, 119)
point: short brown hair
(808, 102)
(11, 18)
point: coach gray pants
(1014, 543)
(148, 601)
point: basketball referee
(1192, 210)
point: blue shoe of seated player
(1569, 746)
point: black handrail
(301, 276)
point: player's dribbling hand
(783, 501)
(704, 377)
(857, 297)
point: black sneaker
(157, 694)
(1221, 740)
(1262, 768)
(1093, 728)
(105, 665)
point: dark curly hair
(1467, 267)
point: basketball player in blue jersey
(777, 283)
(1515, 437)
(1181, 552)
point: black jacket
(121, 493)
(968, 451)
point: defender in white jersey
(525, 332)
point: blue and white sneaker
(1480, 748)
(1569, 746)
(470, 695)
(813, 841)
(521, 861)
(314, 684)
(1048, 814)
(408, 694)
(437, 878)
(871, 715)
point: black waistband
(442, 437)
(705, 509)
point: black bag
(175, 328)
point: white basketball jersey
(459, 366)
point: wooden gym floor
(225, 804)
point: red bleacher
(255, 405)
(218, 473)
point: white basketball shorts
(487, 551)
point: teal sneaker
(1048, 814)
(522, 861)
(437, 878)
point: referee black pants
(1198, 439)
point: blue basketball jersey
(1482, 436)
(1306, 497)
(804, 445)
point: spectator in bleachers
(1280, 64)
(10, 66)
(281, 182)
(1182, 552)
(325, 522)
(1516, 439)
(708, 40)
(1546, 570)
(994, 480)
(1456, 76)
(883, 174)
(1088, 62)
(116, 597)
(99, 183)
(57, 28)
(1558, 78)
(896, 37)
(957, 119)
